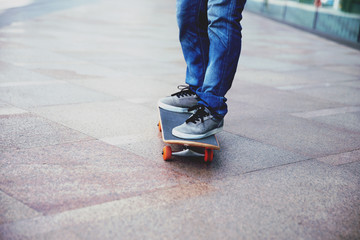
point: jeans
(210, 37)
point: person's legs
(193, 24)
(224, 32)
(192, 21)
(210, 37)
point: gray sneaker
(200, 125)
(180, 101)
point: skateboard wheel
(209, 155)
(167, 153)
(159, 125)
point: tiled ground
(80, 153)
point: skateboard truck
(187, 152)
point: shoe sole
(172, 108)
(197, 136)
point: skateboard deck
(169, 120)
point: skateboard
(169, 120)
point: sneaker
(200, 125)
(180, 101)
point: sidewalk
(80, 151)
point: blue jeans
(210, 37)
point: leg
(224, 31)
(193, 23)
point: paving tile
(301, 136)
(353, 167)
(49, 65)
(239, 110)
(9, 110)
(55, 235)
(353, 84)
(306, 200)
(342, 158)
(292, 99)
(353, 70)
(127, 88)
(348, 122)
(344, 56)
(283, 101)
(334, 93)
(104, 119)
(49, 94)
(63, 74)
(237, 156)
(252, 62)
(28, 130)
(10, 45)
(20, 57)
(309, 77)
(247, 208)
(62, 222)
(57, 178)
(327, 112)
(12, 210)
(346, 118)
(13, 74)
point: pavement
(80, 151)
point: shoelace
(184, 91)
(198, 115)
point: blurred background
(335, 19)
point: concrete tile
(283, 101)
(347, 69)
(11, 45)
(55, 235)
(342, 158)
(119, 187)
(4, 105)
(13, 74)
(49, 65)
(9, 110)
(334, 93)
(327, 112)
(12, 210)
(63, 74)
(253, 62)
(352, 84)
(353, 167)
(305, 200)
(27, 130)
(344, 56)
(54, 179)
(104, 119)
(62, 222)
(239, 110)
(79, 153)
(301, 136)
(49, 94)
(127, 88)
(310, 77)
(21, 57)
(348, 121)
(129, 60)
(237, 155)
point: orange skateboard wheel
(167, 153)
(159, 125)
(209, 155)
